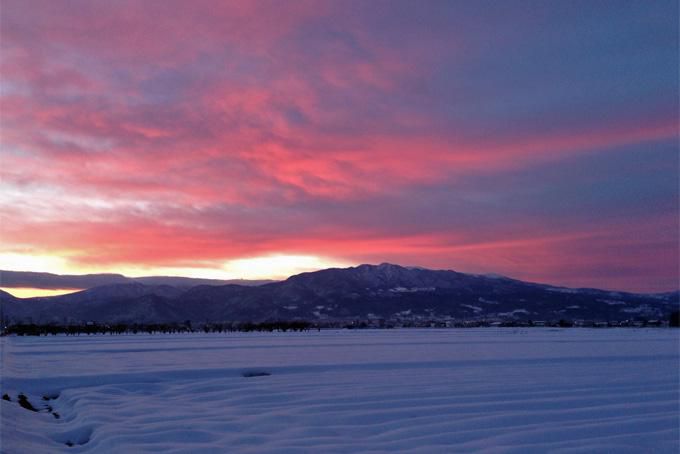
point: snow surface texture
(485, 390)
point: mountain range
(372, 292)
(29, 279)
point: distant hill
(383, 291)
(29, 279)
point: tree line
(90, 328)
(32, 329)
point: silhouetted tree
(674, 319)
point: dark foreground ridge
(374, 296)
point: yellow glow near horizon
(278, 266)
(34, 262)
(25, 292)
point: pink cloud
(172, 114)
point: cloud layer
(534, 139)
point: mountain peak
(382, 267)
(389, 266)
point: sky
(258, 139)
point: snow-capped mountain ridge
(366, 291)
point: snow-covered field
(490, 390)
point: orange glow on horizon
(24, 292)
(274, 266)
